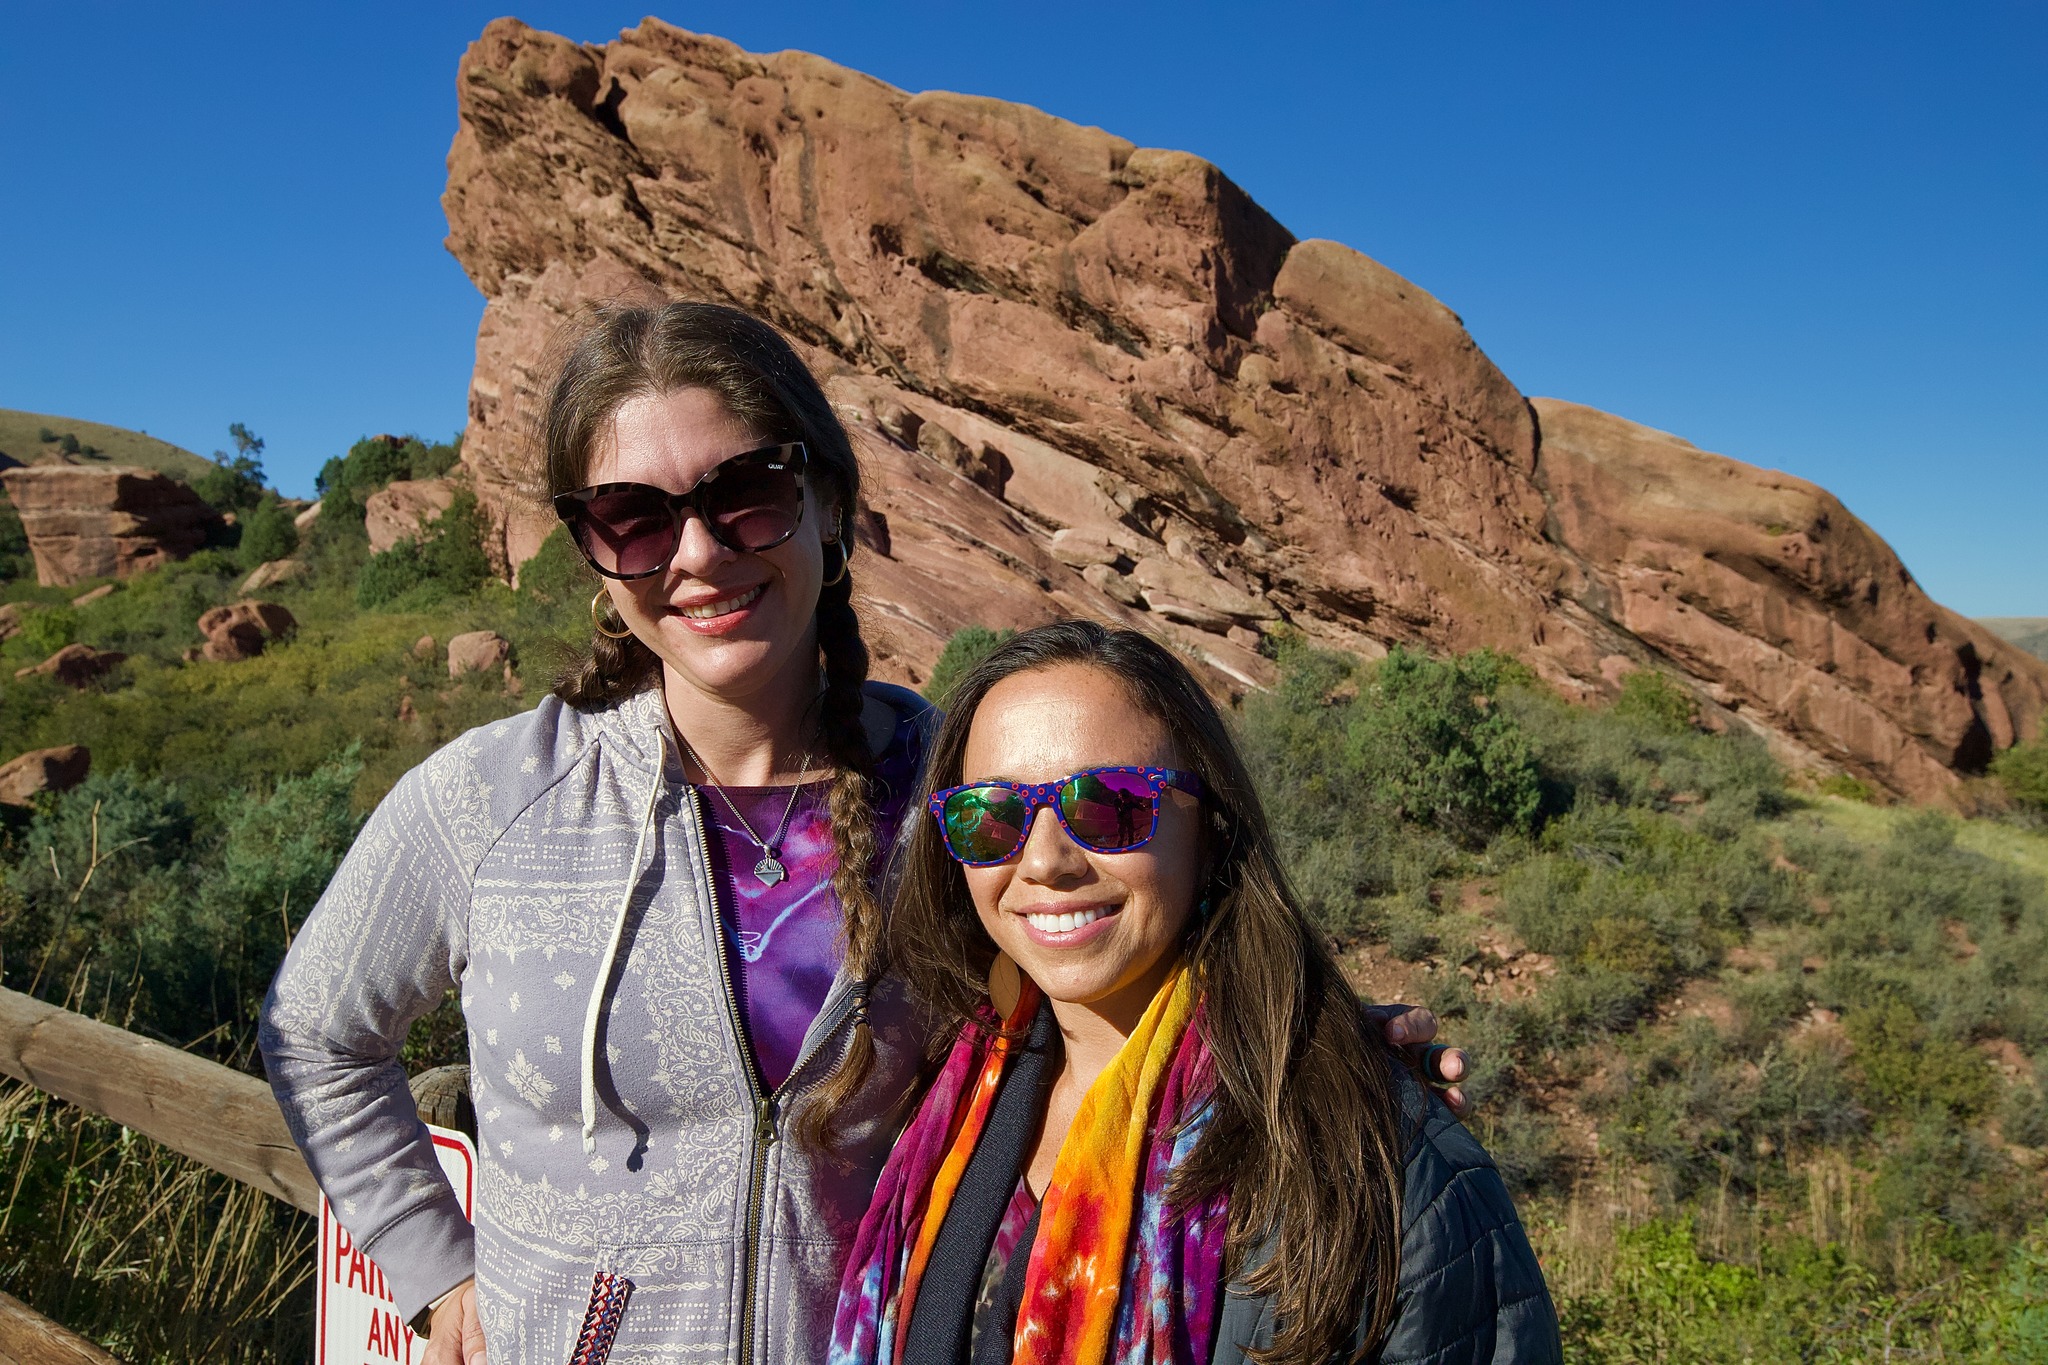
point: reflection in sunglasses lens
(755, 508)
(630, 531)
(1108, 811)
(984, 824)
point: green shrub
(45, 435)
(346, 481)
(2023, 1118)
(68, 443)
(557, 574)
(968, 647)
(233, 484)
(1429, 738)
(1656, 701)
(46, 630)
(1847, 787)
(15, 560)
(2023, 771)
(446, 562)
(91, 864)
(2014, 1326)
(268, 533)
(1902, 1068)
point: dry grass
(146, 1252)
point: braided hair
(621, 351)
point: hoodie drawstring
(611, 953)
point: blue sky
(1811, 236)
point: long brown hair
(621, 351)
(1306, 1134)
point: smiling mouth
(724, 606)
(1067, 922)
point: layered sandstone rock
(105, 521)
(1092, 377)
(1782, 606)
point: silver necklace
(770, 869)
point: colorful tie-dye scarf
(1116, 1275)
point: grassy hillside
(2028, 632)
(1765, 1067)
(21, 438)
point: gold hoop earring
(845, 560)
(597, 618)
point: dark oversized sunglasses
(753, 501)
(1104, 810)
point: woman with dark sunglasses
(1161, 1129)
(655, 894)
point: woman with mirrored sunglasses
(655, 894)
(1161, 1128)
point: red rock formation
(240, 631)
(1780, 604)
(1091, 377)
(77, 666)
(477, 651)
(105, 521)
(402, 509)
(60, 769)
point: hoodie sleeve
(381, 948)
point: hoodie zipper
(766, 1104)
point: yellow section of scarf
(1071, 1287)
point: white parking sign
(359, 1322)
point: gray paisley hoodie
(553, 868)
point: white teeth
(728, 606)
(1065, 923)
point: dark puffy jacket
(1470, 1291)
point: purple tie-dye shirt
(783, 941)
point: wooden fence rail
(29, 1338)
(209, 1112)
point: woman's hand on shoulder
(455, 1336)
(1413, 1028)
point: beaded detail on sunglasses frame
(1104, 810)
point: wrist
(423, 1321)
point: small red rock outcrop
(75, 665)
(275, 573)
(1095, 378)
(477, 651)
(60, 769)
(241, 631)
(401, 510)
(105, 521)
